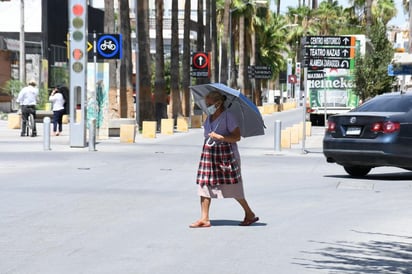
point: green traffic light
(77, 35)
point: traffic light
(78, 71)
(78, 19)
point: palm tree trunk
(200, 34)
(126, 65)
(215, 50)
(369, 13)
(186, 61)
(145, 92)
(242, 43)
(109, 27)
(277, 7)
(160, 96)
(224, 44)
(176, 104)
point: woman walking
(219, 173)
(57, 100)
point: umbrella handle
(210, 142)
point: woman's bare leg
(249, 214)
(204, 220)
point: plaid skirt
(218, 166)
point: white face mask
(211, 109)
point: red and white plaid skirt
(218, 166)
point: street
(126, 208)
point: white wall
(10, 16)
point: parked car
(377, 133)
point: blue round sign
(108, 46)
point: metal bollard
(46, 133)
(92, 135)
(278, 130)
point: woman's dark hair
(216, 96)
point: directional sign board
(328, 63)
(329, 52)
(394, 70)
(259, 72)
(330, 41)
(315, 75)
(332, 52)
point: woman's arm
(233, 137)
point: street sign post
(319, 63)
(329, 52)
(405, 69)
(330, 41)
(109, 46)
(200, 65)
(259, 72)
(333, 52)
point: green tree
(371, 75)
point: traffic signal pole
(78, 71)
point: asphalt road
(125, 208)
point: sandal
(200, 224)
(247, 222)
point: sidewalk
(10, 139)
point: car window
(387, 104)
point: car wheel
(357, 171)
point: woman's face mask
(211, 109)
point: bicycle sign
(109, 46)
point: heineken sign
(332, 83)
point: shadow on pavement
(394, 176)
(232, 223)
(391, 254)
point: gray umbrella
(247, 114)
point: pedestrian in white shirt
(57, 100)
(28, 100)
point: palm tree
(126, 65)
(214, 40)
(270, 39)
(375, 10)
(186, 62)
(330, 18)
(176, 104)
(160, 96)
(145, 94)
(384, 10)
(109, 27)
(277, 3)
(224, 45)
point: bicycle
(30, 125)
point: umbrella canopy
(247, 114)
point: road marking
(357, 185)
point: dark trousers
(58, 120)
(25, 112)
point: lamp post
(22, 56)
